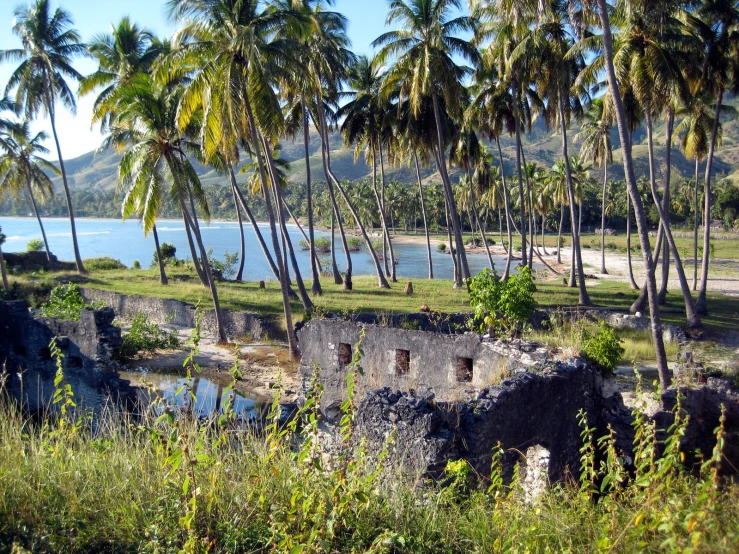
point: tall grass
(169, 483)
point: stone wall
(448, 366)
(162, 310)
(36, 261)
(87, 346)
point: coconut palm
(22, 169)
(146, 124)
(425, 46)
(49, 43)
(596, 147)
(3, 272)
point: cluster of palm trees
(444, 87)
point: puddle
(208, 393)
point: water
(208, 393)
(125, 241)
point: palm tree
(595, 134)
(48, 45)
(146, 123)
(22, 169)
(716, 22)
(3, 272)
(641, 220)
(424, 46)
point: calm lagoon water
(125, 241)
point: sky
(366, 22)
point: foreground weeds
(170, 482)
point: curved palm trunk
(640, 303)
(423, 212)
(603, 220)
(315, 267)
(508, 216)
(287, 243)
(204, 256)
(4, 273)
(584, 299)
(473, 202)
(701, 304)
(530, 213)
(292, 338)
(559, 233)
(632, 281)
(78, 260)
(195, 227)
(240, 273)
(695, 230)
(465, 270)
(387, 242)
(543, 242)
(334, 267)
(300, 228)
(162, 275)
(500, 230)
(662, 295)
(452, 248)
(641, 219)
(693, 319)
(38, 217)
(521, 197)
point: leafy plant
(323, 245)
(441, 247)
(602, 348)
(503, 307)
(168, 251)
(354, 243)
(223, 269)
(144, 336)
(35, 245)
(103, 264)
(65, 302)
(136, 264)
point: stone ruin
(27, 367)
(451, 396)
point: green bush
(169, 252)
(65, 302)
(603, 348)
(103, 264)
(322, 245)
(35, 245)
(503, 307)
(354, 243)
(304, 245)
(441, 247)
(136, 264)
(144, 336)
(223, 269)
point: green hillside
(98, 170)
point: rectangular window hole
(345, 354)
(44, 354)
(74, 362)
(464, 370)
(402, 361)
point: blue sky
(366, 22)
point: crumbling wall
(163, 310)
(87, 346)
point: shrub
(441, 247)
(35, 245)
(168, 251)
(223, 269)
(136, 264)
(354, 243)
(65, 302)
(503, 306)
(144, 336)
(322, 245)
(103, 264)
(603, 348)
(304, 244)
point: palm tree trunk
(693, 319)
(287, 243)
(603, 220)
(632, 281)
(292, 338)
(695, 229)
(662, 295)
(507, 210)
(195, 225)
(543, 243)
(315, 265)
(423, 211)
(240, 273)
(500, 230)
(334, 268)
(257, 232)
(559, 233)
(4, 273)
(584, 299)
(300, 228)
(78, 260)
(38, 217)
(701, 304)
(641, 219)
(473, 202)
(383, 213)
(193, 252)
(522, 203)
(465, 270)
(162, 275)
(452, 248)
(529, 201)
(204, 256)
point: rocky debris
(607, 232)
(36, 261)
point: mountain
(98, 170)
